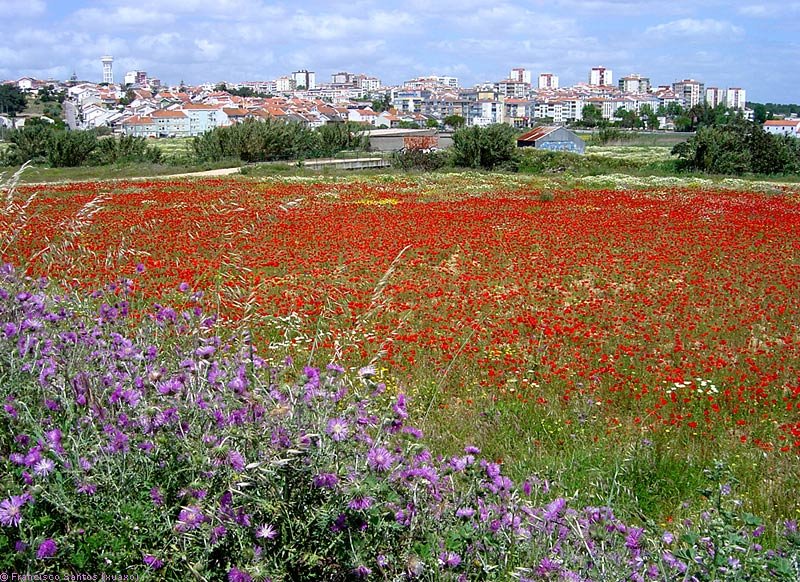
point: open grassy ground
(613, 338)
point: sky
(750, 44)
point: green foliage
(336, 137)
(407, 124)
(126, 149)
(454, 121)
(12, 100)
(737, 148)
(31, 141)
(415, 159)
(68, 149)
(263, 141)
(592, 116)
(484, 147)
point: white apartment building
(714, 96)
(304, 78)
(601, 76)
(735, 98)
(520, 75)
(634, 84)
(548, 81)
(691, 91)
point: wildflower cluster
(152, 444)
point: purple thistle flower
(338, 429)
(266, 531)
(362, 571)
(449, 559)
(87, 488)
(236, 460)
(183, 287)
(43, 467)
(47, 549)
(325, 480)
(465, 512)
(155, 496)
(10, 513)
(360, 503)
(470, 450)
(379, 459)
(399, 407)
(152, 562)
(190, 518)
(236, 575)
(554, 508)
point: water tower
(108, 72)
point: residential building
(735, 98)
(136, 78)
(600, 76)
(715, 96)
(783, 127)
(171, 123)
(634, 84)
(512, 88)
(520, 75)
(690, 91)
(548, 81)
(285, 85)
(203, 117)
(304, 78)
(367, 83)
(108, 70)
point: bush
(484, 147)
(160, 449)
(415, 159)
(737, 148)
(68, 149)
(126, 149)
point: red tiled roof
(537, 133)
(167, 113)
(782, 122)
(136, 120)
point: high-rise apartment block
(548, 81)
(600, 76)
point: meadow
(621, 342)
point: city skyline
(728, 44)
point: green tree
(454, 121)
(67, 149)
(649, 116)
(738, 147)
(592, 115)
(12, 100)
(484, 147)
(431, 123)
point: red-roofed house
(783, 127)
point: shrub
(126, 149)
(484, 147)
(415, 159)
(67, 149)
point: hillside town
(142, 106)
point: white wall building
(714, 96)
(600, 76)
(691, 91)
(783, 127)
(520, 75)
(634, 84)
(548, 81)
(735, 98)
(108, 71)
(304, 78)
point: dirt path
(217, 172)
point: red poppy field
(645, 311)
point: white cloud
(22, 9)
(690, 27)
